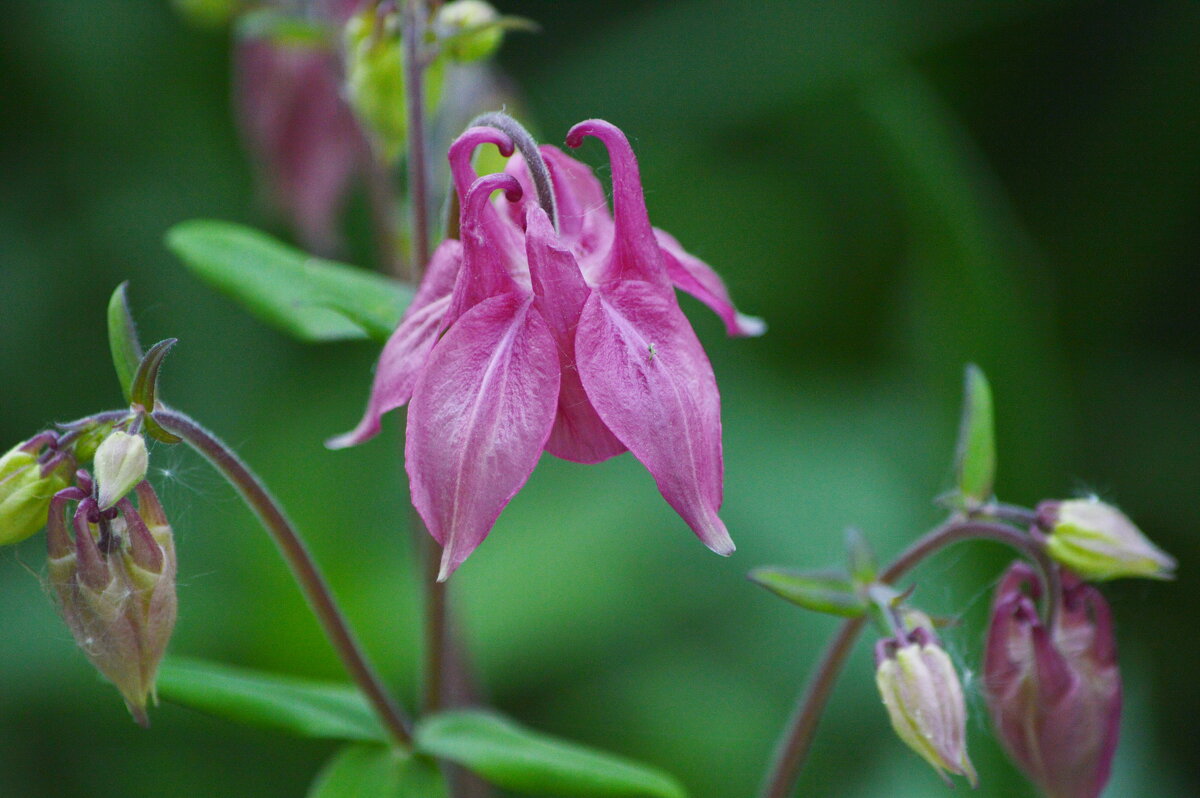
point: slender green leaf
(516, 758)
(366, 770)
(860, 557)
(309, 298)
(821, 591)
(975, 460)
(122, 339)
(297, 706)
(144, 390)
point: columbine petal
(408, 348)
(578, 435)
(493, 250)
(650, 381)
(479, 419)
(634, 253)
(689, 273)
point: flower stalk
(302, 564)
(801, 727)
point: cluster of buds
(924, 699)
(1053, 689)
(114, 578)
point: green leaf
(364, 770)
(296, 706)
(516, 758)
(309, 298)
(975, 460)
(122, 339)
(860, 557)
(822, 591)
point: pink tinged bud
(117, 595)
(485, 403)
(120, 464)
(924, 700)
(1098, 542)
(1054, 696)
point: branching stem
(801, 728)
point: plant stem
(298, 558)
(413, 33)
(415, 20)
(801, 728)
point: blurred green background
(897, 187)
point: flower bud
(469, 27)
(120, 464)
(1098, 542)
(27, 483)
(924, 699)
(1054, 695)
(116, 587)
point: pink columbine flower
(1054, 694)
(525, 338)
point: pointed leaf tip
(975, 457)
(122, 339)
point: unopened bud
(924, 699)
(116, 588)
(1098, 542)
(469, 28)
(29, 479)
(120, 464)
(1054, 695)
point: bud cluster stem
(304, 568)
(794, 744)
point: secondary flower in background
(570, 341)
(1054, 694)
(924, 700)
(299, 129)
(1098, 542)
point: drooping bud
(30, 474)
(1098, 542)
(120, 464)
(116, 587)
(1054, 695)
(924, 699)
(469, 29)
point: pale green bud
(120, 463)
(1098, 542)
(469, 29)
(924, 700)
(25, 491)
(375, 79)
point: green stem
(298, 558)
(800, 730)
